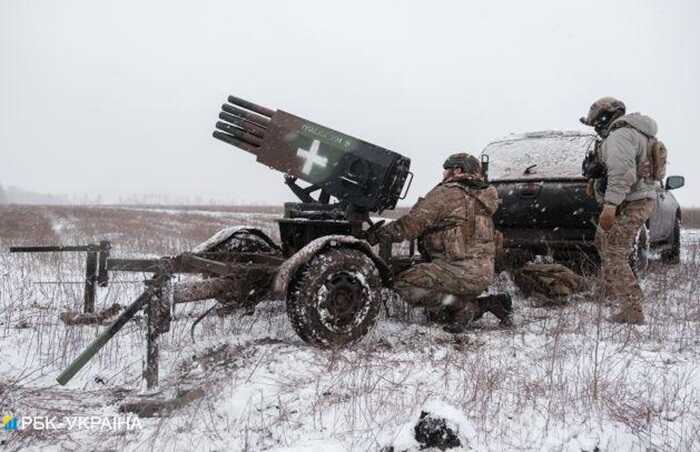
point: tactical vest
(468, 230)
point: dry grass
(561, 374)
(25, 223)
(691, 217)
(139, 229)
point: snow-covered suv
(545, 208)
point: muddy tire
(246, 241)
(335, 298)
(639, 258)
(673, 255)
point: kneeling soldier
(457, 238)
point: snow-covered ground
(563, 379)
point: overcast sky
(120, 97)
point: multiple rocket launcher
(357, 173)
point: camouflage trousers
(615, 247)
(453, 285)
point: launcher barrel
(256, 119)
(239, 133)
(251, 106)
(243, 124)
(361, 174)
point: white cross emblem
(311, 157)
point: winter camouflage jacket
(453, 221)
(624, 152)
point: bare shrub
(691, 217)
(562, 374)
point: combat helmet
(468, 163)
(603, 112)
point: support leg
(90, 281)
(152, 349)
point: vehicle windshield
(539, 155)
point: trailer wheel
(246, 241)
(334, 300)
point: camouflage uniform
(614, 247)
(454, 226)
(628, 189)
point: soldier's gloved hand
(607, 217)
(590, 189)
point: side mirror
(673, 182)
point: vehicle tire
(673, 255)
(639, 258)
(246, 241)
(335, 298)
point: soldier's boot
(463, 318)
(442, 308)
(631, 313)
(500, 305)
(443, 315)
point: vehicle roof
(555, 154)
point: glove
(590, 189)
(607, 217)
(499, 241)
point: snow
(313, 446)
(305, 254)
(217, 238)
(554, 154)
(562, 380)
(223, 214)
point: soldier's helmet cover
(603, 111)
(468, 163)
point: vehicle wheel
(334, 300)
(246, 241)
(673, 255)
(639, 259)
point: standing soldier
(456, 236)
(627, 192)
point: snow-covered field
(563, 379)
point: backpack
(553, 282)
(658, 156)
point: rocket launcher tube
(251, 106)
(357, 173)
(248, 116)
(238, 133)
(243, 124)
(235, 142)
